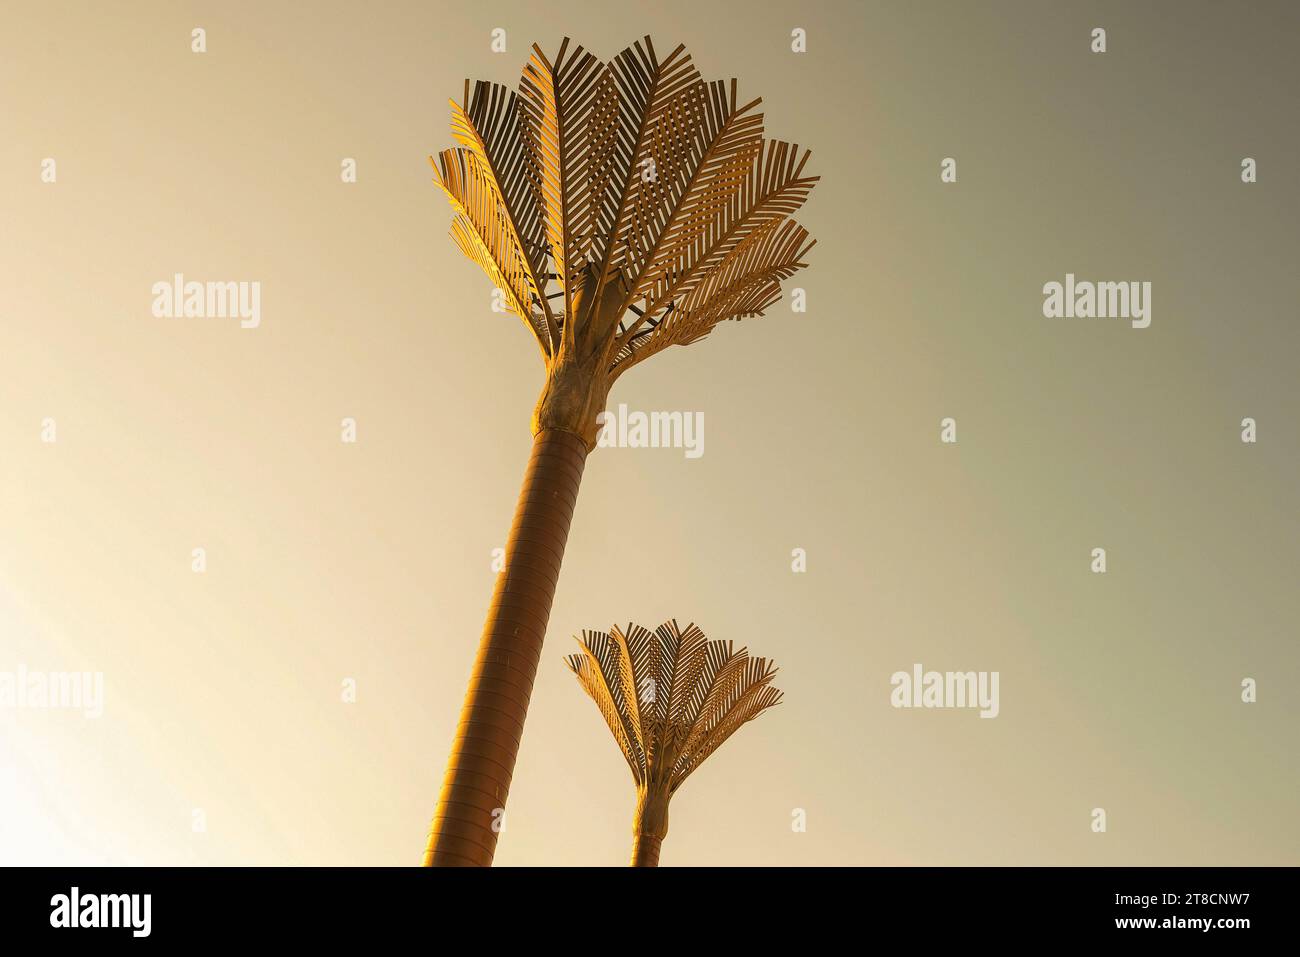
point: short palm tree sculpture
(670, 697)
(619, 208)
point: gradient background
(372, 561)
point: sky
(225, 737)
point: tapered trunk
(472, 802)
(649, 826)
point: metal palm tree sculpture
(620, 208)
(670, 697)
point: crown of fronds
(671, 697)
(623, 206)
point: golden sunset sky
(371, 561)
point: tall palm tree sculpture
(619, 208)
(670, 697)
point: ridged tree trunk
(645, 850)
(649, 826)
(473, 797)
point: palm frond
(569, 107)
(594, 668)
(745, 283)
(710, 144)
(485, 235)
(654, 97)
(487, 124)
